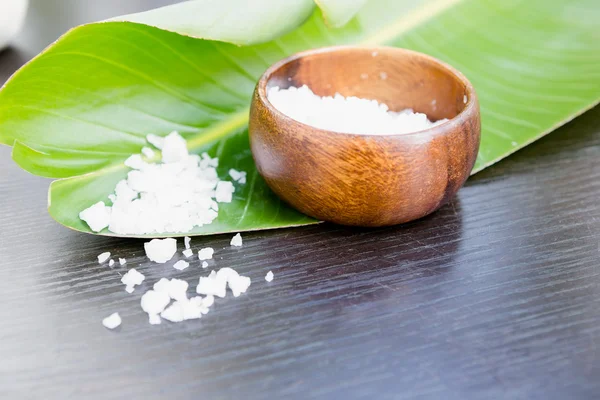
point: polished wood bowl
(367, 180)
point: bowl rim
(443, 128)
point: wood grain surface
(497, 295)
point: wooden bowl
(367, 180)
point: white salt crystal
(162, 285)
(147, 152)
(204, 264)
(187, 241)
(383, 76)
(239, 285)
(238, 176)
(188, 253)
(112, 198)
(236, 240)
(346, 114)
(173, 313)
(103, 257)
(206, 253)
(181, 265)
(176, 289)
(211, 285)
(171, 197)
(465, 99)
(224, 192)
(174, 148)
(112, 321)
(124, 193)
(161, 250)
(131, 279)
(135, 161)
(269, 276)
(122, 261)
(97, 216)
(155, 140)
(154, 303)
(111, 263)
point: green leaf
(233, 21)
(81, 107)
(338, 12)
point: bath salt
(97, 216)
(206, 253)
(186, 241)
(181, 265)
(111, 263)
(346, 114)
(188, 253)
(176, 289)
(269, 276)
(161, 250)
(153, 303)
(131, 279)
(122, 261)
(147, 152)
(112, 321)
(236, 240)
(174, 195)
(224, 192)
(204, 264)
(238, 176)
(103, 257)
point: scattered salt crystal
(97, 216)
(161, 250)
(346, 114)
(208, 301)
(162, 285)
(224, 192)
(122, 261)
(147, 152)
(135, 161)
(383, 76)
(269, 276)
(176, 289)
(204, 264)
(238, 176)
(236, 240)
(174, 148)
(212, 285)
(154, 303)
(187, 241)
(188, 253)
(206, 253)
(103, 257)
(111, 263)
(173, 313)
(155, 140)
(239, 285)
(112, 321)
(112, 198)
(181, 265)
(131, 279)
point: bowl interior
(399, 78)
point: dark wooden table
(495, 296)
